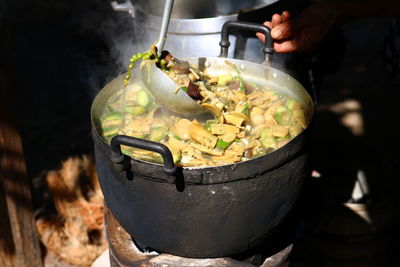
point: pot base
(124, 252)
(305, 218)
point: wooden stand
(19, 245)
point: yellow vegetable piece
(201, 135)
(295, 129)
(269, 120)
(224, 79)
(182, 129)
(279, 130)
(175, 144)
(298, 115)
(221, 129)
(234, 118)
(228, 137)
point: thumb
(276, 33)
(281, 31)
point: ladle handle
(228, 26)
(118, 157)
(164, 24)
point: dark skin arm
(304, 32)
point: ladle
(161, 86)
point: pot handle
(123, 6)
(163, 150)
(268, 49)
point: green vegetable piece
(293, 104)
(155, 157)
(114, 119)
(242, 88)
(162, 64)
(142, 136)
(184, 88)
(207, 125)
(266, 132)
(126, 152)
(110, 109)
(222, 144)
(113, 116)
(132, 61)
(278, 113)
(280, 109)
(135, 110)
(146, 56)
(143, 98)
(177, 137)
(282, 138)
(110, 132)
(269, 142)
(176, 157)
(158, 133)
(283, 115)
(246, 110)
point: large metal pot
(193, 9)
(202, 212)
(195, 27)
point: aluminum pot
(209, 211)
(195, 27)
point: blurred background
(57, 55)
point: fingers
(261, 37)
(286, 47)
(276, 20)
(268, 24)
(278, 32)
(285, 16)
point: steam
(109, 38)
(121, 40)
(98, 41)
(115, 33)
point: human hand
(304, 32)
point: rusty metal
(124, 253)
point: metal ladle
(161, 86)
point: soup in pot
(249, 120)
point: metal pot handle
(268, 49)
(117, 156)
(123, 6)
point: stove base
(124, 253)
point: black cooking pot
(209, 211)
